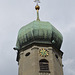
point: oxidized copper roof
(39, 32)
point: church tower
(38, 48)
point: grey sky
(16, 13)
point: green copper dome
(39, 32)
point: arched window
(44, 65)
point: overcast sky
(16, 13)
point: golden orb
(37, 7)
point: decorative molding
(34, 48)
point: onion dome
(38, 32)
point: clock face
(44, 52)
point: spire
(37, 7)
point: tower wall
(30, 57)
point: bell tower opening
(44, 65)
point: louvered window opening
(44, 66)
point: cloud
(69, 67)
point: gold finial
(37, 7)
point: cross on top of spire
(37, 1)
